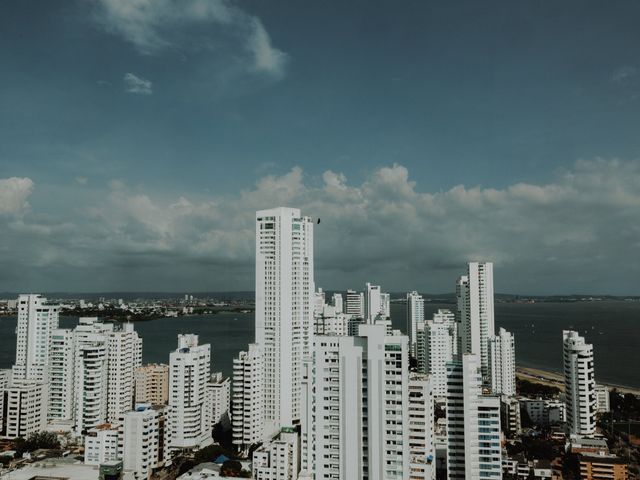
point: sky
(139, 137)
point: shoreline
(555, 379)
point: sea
(613, 327)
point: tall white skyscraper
(357, 407)
(247, 401)
(37, 318)
(124, 351)
(336, 301)
(436, 347)
(354, 305)
(90, 373)
(475, 309)
(373, 303)
(284, 309)
(473, 424)
(502, 363)
(415, 315)
(189, 370)
(579, 384)
(61, 375)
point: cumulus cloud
(137, 85)
(14, 192)
(576, 233)
(156, 26)
(623, 74)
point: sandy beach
(555, 379)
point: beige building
(152, 384)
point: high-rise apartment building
(23, 409)
(415, 316)
(354, 305)
(152, 384)
(437, 342)
(145, 439)
(90, 370)
(189, 370)
(37, 318)
(219, 389)
(421, 429)
(336, 301)
(473, 424)
(284, 309)
(61, 376)
(502, 363)
(356, 418)
(124, 355)
(475, 310)
(579, 384)
(247, 402)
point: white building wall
(354, 304)
(220, 394)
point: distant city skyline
(137, 143)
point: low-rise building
(23, 408)
(603, 466)
(101, 444)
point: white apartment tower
(415, 315)
(284, 309)
(502, 363)
(90, 373)
(189, 369)
(437, 344)
(124, 351)
(336, 301)
(247, 401)
(146, 438)
(37, 319)
(475, 309)
(421, 428)
(61, 375)
(356, 416)
(579, 384)
(473, 424)
(219, 388)
(23, 409)
(354, 305)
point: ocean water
(612, 327)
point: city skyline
(140, 140)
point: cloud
(81, 180)
(157, 26)
(623, 74)
(575, 233)
(137, 85)
(14, 192)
